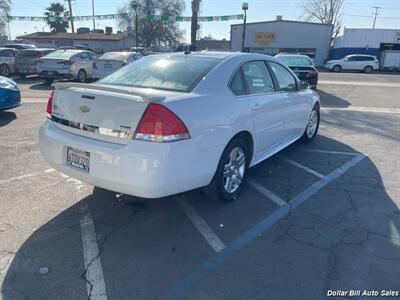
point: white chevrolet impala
(170, 123)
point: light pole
(245, 7)
(135, 7)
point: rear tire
(82, 76)
(336, 68)
(4, 70)
(368, 69)
(312, 125)
(230, 177)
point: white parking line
(20, 177)
(266, 192)
(205, 230)
(331, 152)
(311, 171)
(359, 83)
(96, 288)
(364, 109)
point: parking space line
(178, 287)
(294, 163)
(205, 230)
(96, 288)
(331, 152)
(363, 109)
(270, 195)
(20, 177)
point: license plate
(50, 72)
(78, 158)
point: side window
(237, 85)
(352, 58)
(257, 77)
(369, 58)
(84, 55)
(285, 80)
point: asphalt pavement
(315, 220)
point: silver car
(7, 61)
(112, 61)
(67, 64)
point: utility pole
(94, 22)
(195, 19)
(135, 6)
(375, 14)
(70, 16)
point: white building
(273, 37)
(99, 42)
(364, 41)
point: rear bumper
(139, 168)
(55, 75)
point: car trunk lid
(104, 112)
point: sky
(356, 14)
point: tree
(324, 11)
(150, 32)
(5, 7)
(57, 9)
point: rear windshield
(32, 53)
(180, 73)
(115, 56)
(295, 61)
(61, 54)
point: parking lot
(314, 219)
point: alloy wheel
(234, 170)
(312, 124)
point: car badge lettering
(84, 109)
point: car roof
(292, 55)
(367, 55)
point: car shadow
(329, 100)
(357, 205)
(7, 117)
(43, 86)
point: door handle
(256, 106)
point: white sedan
(170, 123)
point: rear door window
(257, 77)
(236, 84)
(285, 79)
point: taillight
(312, 73)
(50, 105)
(159, 124)
(94, 65)
(66, 62)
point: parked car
(10, 95)
(19, 46)
(140, 50)
(302, 66)
(169, 123)
(7, 61)
(112, 61)
(355, 62)
(26, 60)
(67, 64)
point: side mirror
(346, 59)
(304, 85)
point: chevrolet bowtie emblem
(84, 109)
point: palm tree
(5, 7)
(57, 9)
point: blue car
(10, 96)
